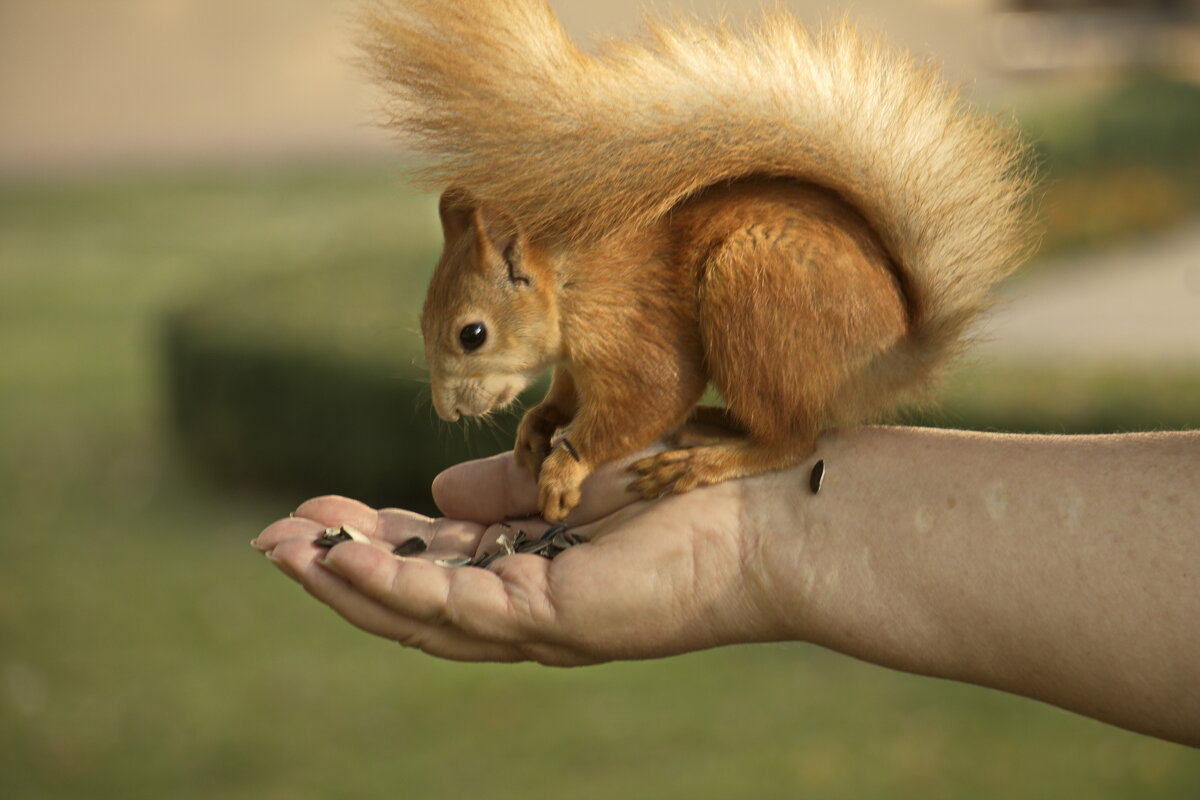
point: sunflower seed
(484, 561)
(549, 544)
(453, 561)
(332, 536)
(355, 534)
(410, 547)
(569, 448)
(817, 477)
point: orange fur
(808, 223)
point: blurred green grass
(1117, 160)
(148, 652)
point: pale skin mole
(995, 500)
(1071, 508)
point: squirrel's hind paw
(677, 471)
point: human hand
(654, 578)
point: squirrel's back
(578, 145)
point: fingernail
(260, 548)
(270, 554)
(327, 564)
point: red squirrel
(806, 222)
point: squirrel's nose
(442, 405)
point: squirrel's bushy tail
(575, 144)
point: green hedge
(313, 384)
(1117, 164)
(1144, 119)
(1066, 398)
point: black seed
(330, 539)
(553, 531)
(484, 561)
(410, 547)
(570, 450)
(817, 477)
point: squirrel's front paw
(559, 485)
(533, 442)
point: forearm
(1060, 568)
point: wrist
(855, 554)
(786, 547)
(829, 579)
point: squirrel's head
(490, 319)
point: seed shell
(410, 547)
(484, 561)
(355, 534)
(332, 536)
(817, 477)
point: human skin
(1057, 568)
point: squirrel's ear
(457, 210)
(497, 232)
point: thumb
(486, 490)
(490, 489)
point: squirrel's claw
(532, 445)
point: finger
(485, 490)
(397, 526)
(376, 618)
(332, 511)
(314, 517)
(455, 537)
(285, 529)
(513, 610)
(493, 488)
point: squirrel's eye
(472, 336)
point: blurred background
(210, 271)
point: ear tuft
(457, 209)
(497, 230)
(497, 233)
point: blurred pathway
(1137, 302)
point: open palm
(653, 578)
